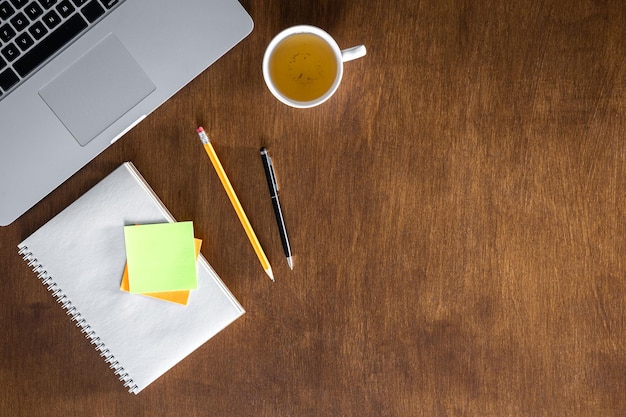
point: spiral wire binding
(75, 316)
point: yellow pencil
(235, 202)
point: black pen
(273, 186)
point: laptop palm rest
(97, 89)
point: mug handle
(353, 53)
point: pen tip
(290, 262)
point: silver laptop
(75, 75)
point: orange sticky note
(178, 297)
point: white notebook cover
(80, 256)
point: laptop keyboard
(33, 31)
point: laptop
(75, 75)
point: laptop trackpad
(97, 89)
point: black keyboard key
(6, 10)
(8, 79)
(19, 21)
(24, 41)
(3, 63)
(50, 45)
(10, 52)
(7, 33)
(65, 8)
(47, 3)
(109, 3)
(92, 11)
(79, 3)
(33, 11)
(19, 3)
(51, 19)
(38, 30)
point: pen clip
(272, 173)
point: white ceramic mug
(303, 65)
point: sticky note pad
(160, 257)
(178, 297)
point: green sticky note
(161, 257)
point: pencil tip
(269, 272)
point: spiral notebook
(80, 256)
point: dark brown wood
(456, 211)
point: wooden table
(456, 210)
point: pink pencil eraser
(200, 129)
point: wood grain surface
(456, 212)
